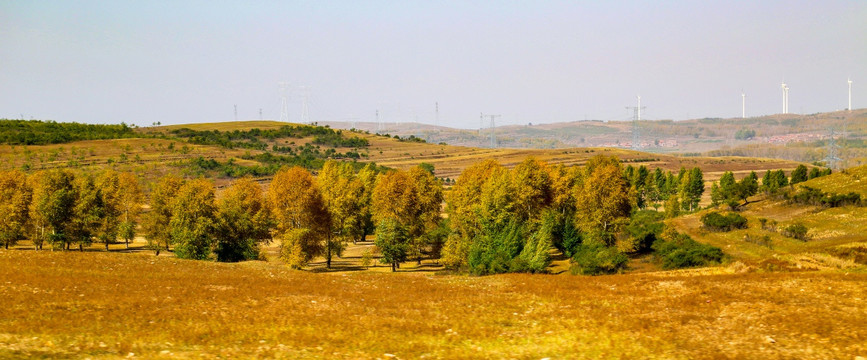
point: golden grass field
(108, 305)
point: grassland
(836, 236)
(104, 305)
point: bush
(681, 251)
(596, 259)
(715, 221)
(796, 231)
(644, 228)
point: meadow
(109, 305)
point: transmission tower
(833, 160)
(378, 123)
(236, 112)
(305, 96)
(437, 114)
(493, 131)
(636, 117)
(284, 101)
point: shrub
(644, 228)
(680, 251)
(796, 231)
(761, 241)
(715, 221)
(596, 259)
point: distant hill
(790, 136)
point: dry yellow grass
(99, 305)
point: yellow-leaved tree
(156, 222)
(108, 186)
(604, 200)
(15, 196)
(52, 207)
(464, 205)
(342, 192)
(192, 223)
(244, 221)
(129, 201)
(303, 222)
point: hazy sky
(530, 61)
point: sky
(174, 62)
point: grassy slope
(98, 305)
(830, 230)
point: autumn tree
(243, 221)
(15, 197)
(108, 187)
(367, 177)
(342, 192)
(303, 222)
(412, 200)
(129, 202)
(156, 222)
(603, 198)
(532, 186)
(53, 206)
(192, 223)
(88, 212)
(464, 204)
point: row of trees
(730, 192)
(63, 208)
(499, 219)
(36, 132)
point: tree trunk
(328, 257)
(127, 243)
(106, 246)
(392, 266)
(80, 247)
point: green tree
(243, 221)
(799, 175)
(692, 187)
(192, 220)
(15, 198)
(748, 186)
(392, 239)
